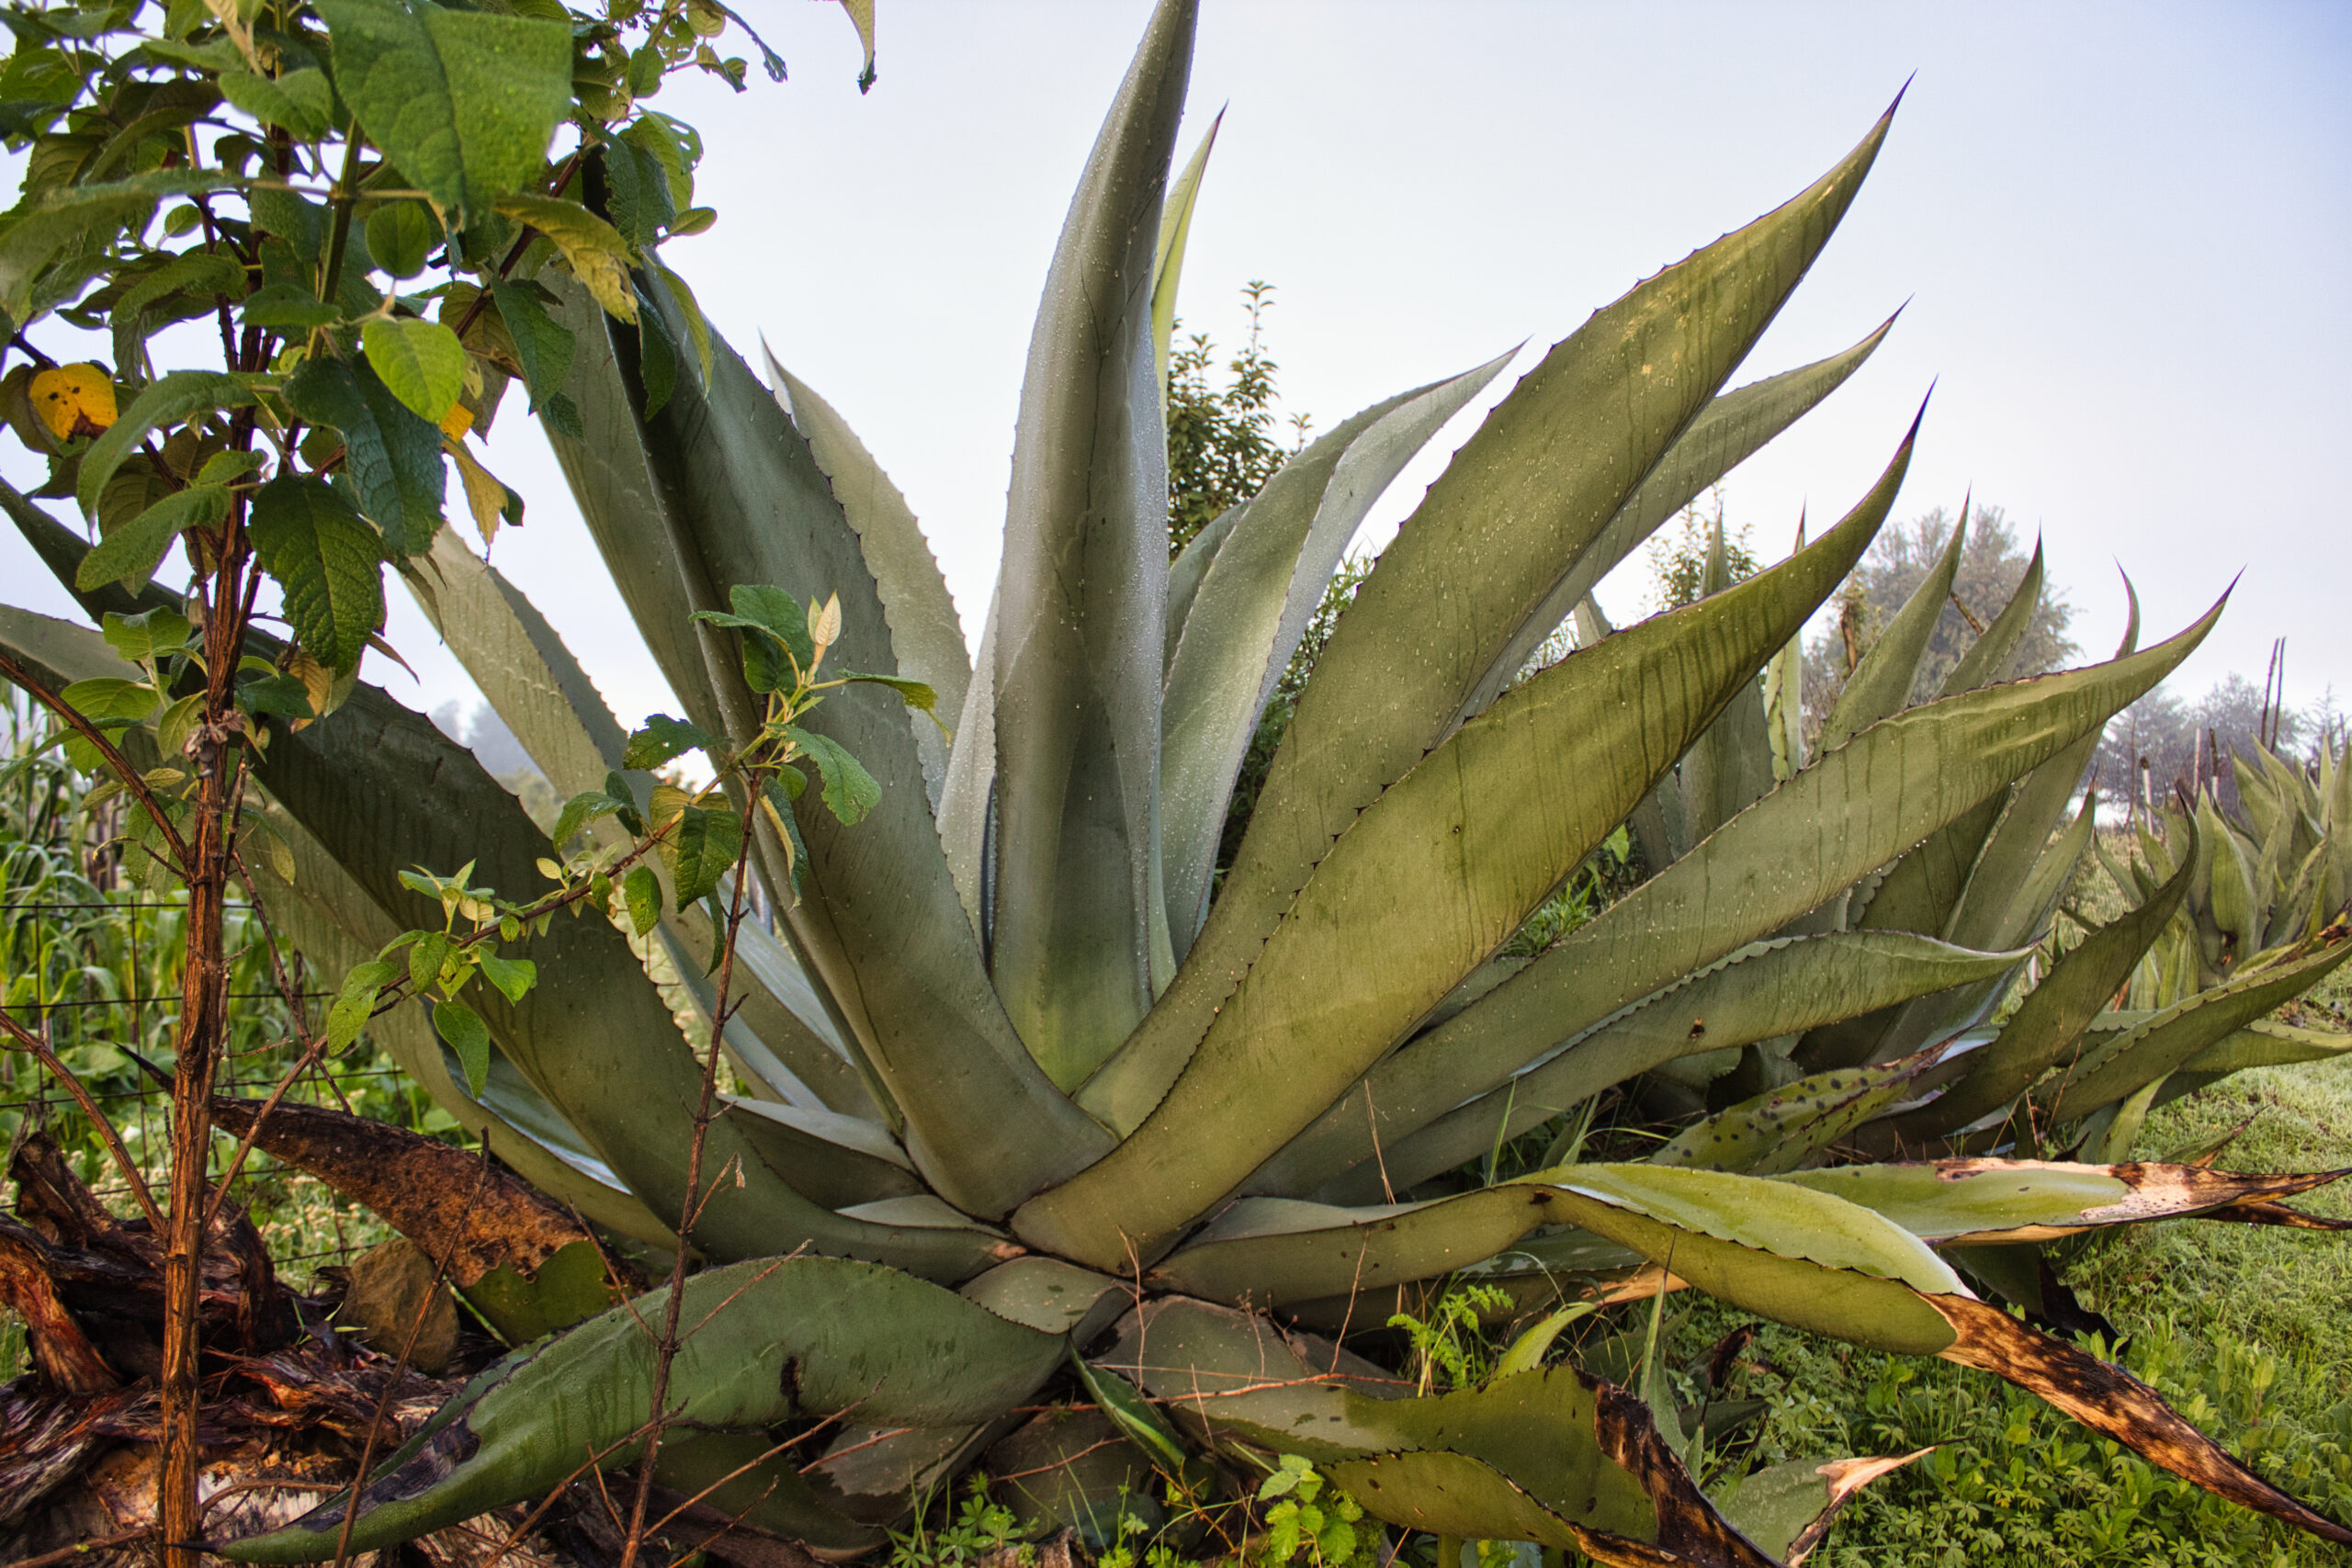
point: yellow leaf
(484, 494)
(592, 248)
(74, 399)
(668, 802)
(457, 421)
(861, 14)
(318, 681)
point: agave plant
(1030, 1093)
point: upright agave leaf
(1078, 933)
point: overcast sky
(2121, 229)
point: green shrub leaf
(705, 848)
(328, 561)
(643, 891)
(850, 790)
(469, 1037)
(662, 740)
(391, 454)
(422, 361)
(464, 102)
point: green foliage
(979, 1530)
(1679, 558)
(1221, 446)
(1447, 1350)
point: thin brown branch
(666, 1347)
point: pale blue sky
(2122, 230)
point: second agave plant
(1040, 1112)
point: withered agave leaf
(1981, 1201)
(1787, 1509)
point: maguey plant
(1060, 1153)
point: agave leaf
(1079, 935)
(875, 1471)
(1528, 494)
(739, 500)
(1252, 606)
(1781, 1129)
(1800, 846)
(1980, 1202)
(1469, 842)
(1840, 1269)
(742, 1475)
(2012, 883)
(1880, 684)
(1729, 768)
(2266, 1043)
(1050, 1295)
(1585, 1450)
(1992, 658)
(1787, 1509)
(1192, 564)
(2141, 1056)
(537, 688)
(925, 632)
(1067, 1469)
(1729, 431)
(1273, 1251)
(967, 794)
(2051, 1018)
(1459, 1498)
(772, 1340)
(1758, 992)
(2008, 890)
(1168, 255)
(833, 1160)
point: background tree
(1678, 553)
(1221, 446)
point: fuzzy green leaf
(464, 102)
(849, 790)
(328, 562)
(132, 551)
(391, 456)
(469, 1037)
(422, 363)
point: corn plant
(1035, 1110)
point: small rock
(388, 1285)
